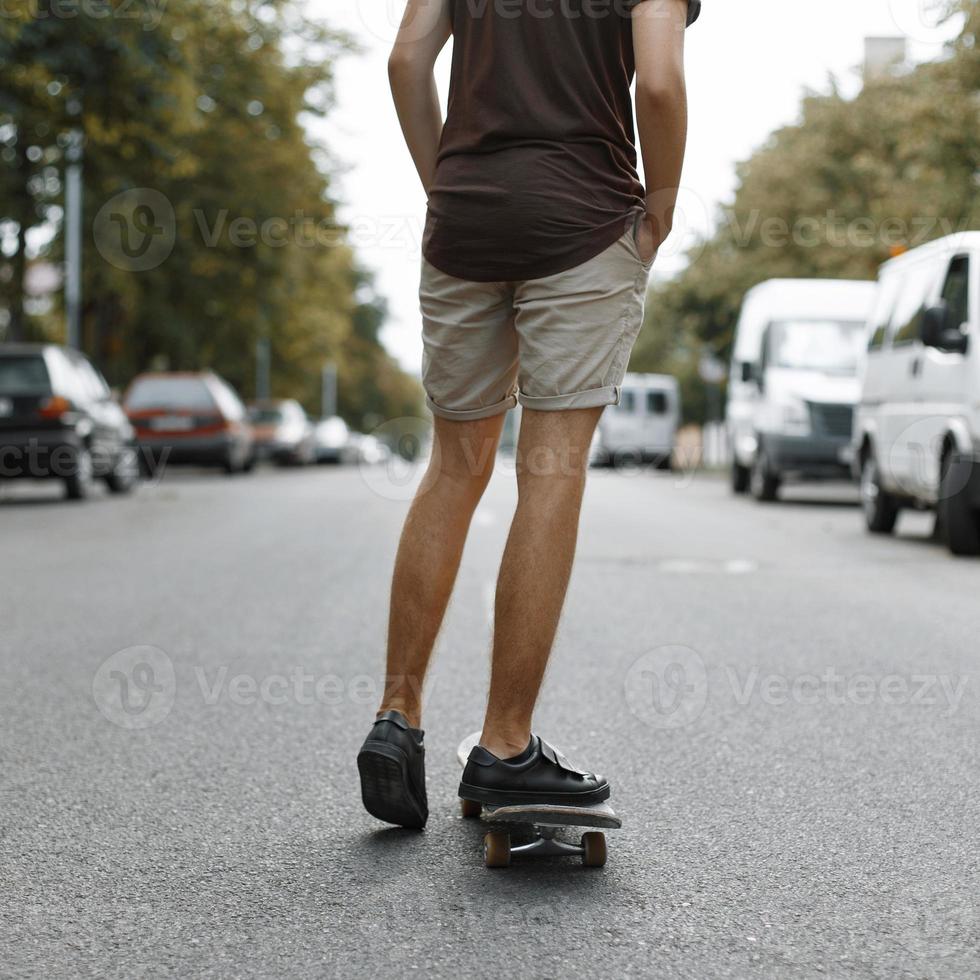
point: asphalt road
(787, 711)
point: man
(538, 243)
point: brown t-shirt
(536, 170)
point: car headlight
(796, 417)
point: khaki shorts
(554, 343)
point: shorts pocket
(633, 235)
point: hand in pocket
(646, 239)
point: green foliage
(204, 102)
(830, 197)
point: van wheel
(233, 463)
(740, 478)
(958, 520)
(880, 507)
(762, 481)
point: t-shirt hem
(599, 241)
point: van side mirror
(936, 330)
(747, 372)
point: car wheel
(78, 485)
(959, 521)
(879, 506)
(125, 474)
(763, 482)
(740, 477)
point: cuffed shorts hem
(471, 414)
(590, 398)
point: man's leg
(429, 553)
(552, 461)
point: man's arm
(424, 30)
(661, 107)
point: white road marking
(694, 566)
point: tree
(208, 215)
(830, 197)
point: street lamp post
(73, 240)
(328, 390)
(263, 366)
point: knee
(463, 457)
(465, 478)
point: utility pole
(73, 240)
(328, 390)
(263, 364)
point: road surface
(787, 710)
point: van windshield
(830, 346)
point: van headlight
(795, 417)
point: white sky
(748, 62)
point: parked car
(189, 417)
(332, 438)
(794, 381)
(643, 426)
(58, 420)
(283, 432)
(917, 433)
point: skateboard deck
(543, 820)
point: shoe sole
(498, 797)
(386, 787)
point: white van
(917, 432)
(794, 381)
(643, 426)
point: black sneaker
(540, 774)
(392, 767)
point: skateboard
(543, 821)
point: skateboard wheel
(593, 849)
(470, 808)
(496, 849)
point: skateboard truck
(547, 845)
(498, 850)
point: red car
(190, 417)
